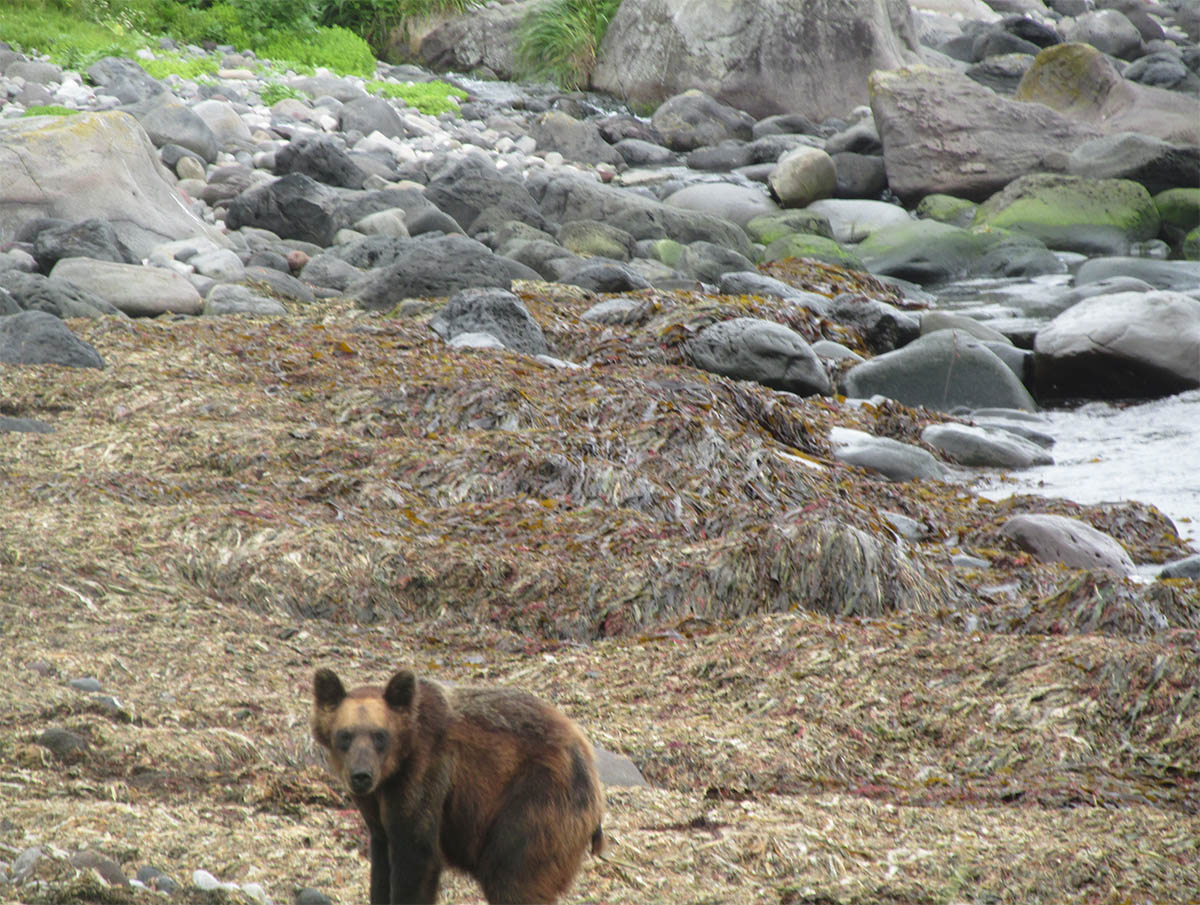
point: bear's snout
(361, 781)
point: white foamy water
(1148, 452)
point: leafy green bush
(559, 39)
(429, 97)
(71, 42)
(49, 110)
(338, 49)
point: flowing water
(1147, 451)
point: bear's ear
(400, 690)
(328, 691)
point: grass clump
(184, 67)
(559, 40)
(49, 110)
(429, 97)
(333, 47)
(274, 92)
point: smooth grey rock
(1156, 164)
(1121, 345)
(368, 114)
(922, 251)
(330, 271)
(24, 426)
(751, 282)
(638, 152)
(34, 292)
(853, 220)
(279, 283)
(492, 311)
(617, 769)
(168, 122)
(859, 176)
(1181, 276)
(749, 348)
(1022, 429)
(1056, 538)
(1188, 567)
(943, 370)
(231, 299)
(707, 262)
(979, 446)
(137, 291)
(65, 170)
(735, 203)
(693, 120)
(834, 351)
(600, 275)
(894, 460)
(934, 320)
(802, 176)
(106, 867)
(436, 266)
(575, 139)
(35, 337)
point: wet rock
(803, 245)
(1181, 276)
(894, 460)
(764, 351)
(854, 220)
(492, 311)
(1188, 567)
(979, 446)
(751, 282)
(943, 370)
(1121, 345)
(766, 228)
(923, 251)
(883, 326)
(693, 120)
(35, 337)
(1056, 538)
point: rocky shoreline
(536, 232)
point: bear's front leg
(416, 869)
(381, 874)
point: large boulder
(749, 348)
(944, 133)
(693, 120)
(138, 291)
(99, 165)
(294, 207)
(485, 39)
(1056, 538)
(945, 370)
(496, 312)
(1156, 164)
(1121, 345)
(1090, 216)
(1080, 82)
(894, 460)
(478, 196)
(771, 56)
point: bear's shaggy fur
(492, 782)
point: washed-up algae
(827, 711)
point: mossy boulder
(1090, 216)
(803, 245)
(766, 228)
(1189, 250)
(1179, 211)
(924, 251)
(947, 209)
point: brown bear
(493, 782)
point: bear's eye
(342, 740)
(379, 739)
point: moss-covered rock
(925, 251)
(947, 209)
(1091, 216)
(1179, 211)
(1189, 249)
(803, 245)
(766, 228)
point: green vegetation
(428, 97)
(559, 39)
(49, 110)
(185, 67)
(376, 20)
(273, 92)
